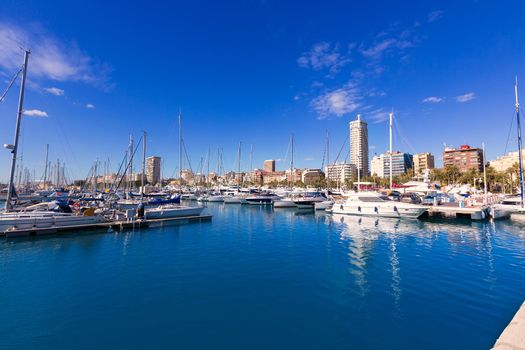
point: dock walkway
(114, 225)
(513, 336)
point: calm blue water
(262, 279)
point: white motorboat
(216, 198)
(324, 205)
(12, 221)
(235, 200)
(286, 202)
(172, 211)
(376, 204)
(262, 199)
(309, 200)
(511, 206)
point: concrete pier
(114, 225)
(513, 336)
(453, 210)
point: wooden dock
(110, 225)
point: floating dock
(113, 225)
(513, 336)
(452, 210)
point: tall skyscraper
(359, 145)
(153, 169)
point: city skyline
(84, 96)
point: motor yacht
(376, 204)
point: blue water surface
(257, 278)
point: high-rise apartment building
(464, 157)
(340, 172)
(359, 145)
(269, 165)
(153, 169)
(401, 162)
(423, 162)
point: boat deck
(113, 225)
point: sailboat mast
(391, 115)
(143, 165)
(130, 170)
(180, 147)
(239, 164)
(484, 176)
(520, 159)
(291, 167)
(10, 189)
(45, 169)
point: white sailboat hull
(44, 219)
(172, 212)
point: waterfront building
(423, 162)
(295, 175)
(464, 158)
(312, 176)
(359, 145)
(269, 166)
(153, 169)
(503, 163)
(256, 176)
(341, 172)
(186, 175)
(401, 163)
(275, 176)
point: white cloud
(324, 56)
(338, 102)
(54, 91)
(309, 159)
(49, 58)
(433, 99)
(377, 116)
(35, 113)
(434, 16)
(90, 105)
(466, 97)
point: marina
(262, 175)
(425, 284)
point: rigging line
(510, 130)
(341, 149)
(186, 153)
(128, 165)
(11, 84)
(401, 135)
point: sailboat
(11, 220)
(287, 201)
(515, 206)
(376, 204)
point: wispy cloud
(35, 113)
(434, 16)
(338, 102)
(90, 105)
(377, 116)
(433, 99)
(324, 56)
(466, 97)
(54, 91)
(50, 58)
(309, 159)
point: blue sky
(257, 71)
